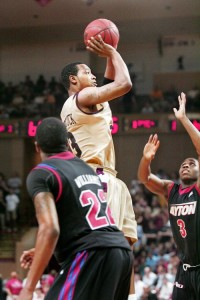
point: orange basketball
(106, 28)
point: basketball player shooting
(88, 119)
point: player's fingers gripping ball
(106, 28)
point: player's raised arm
(121, 79)
(190, 128)
(151, 181)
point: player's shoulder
(43, 167)
(68, 107)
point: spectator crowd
(42, 98)
(11, 287)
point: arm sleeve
(39, 180)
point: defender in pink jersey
(183, 207)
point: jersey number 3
(73, 145)
(182, 229)
(88, 198)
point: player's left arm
(110, 71)
(116, 70)
(47, 237)
(152, 182)
(187, 124)
(190, 128)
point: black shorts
(100, 274)
(187, 284)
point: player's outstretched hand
(97, 46)
(151, 147)
(180, 113)
(26, 258)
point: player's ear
(37, 147)
(72, 79)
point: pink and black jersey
(84, 217)
(184, 214)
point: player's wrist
(132, 297)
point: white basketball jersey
(90, 135)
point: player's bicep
(157, 185)
(95, 95)
(45, 209)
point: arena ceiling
(140, 20)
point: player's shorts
(187, 284)
(119, 201)
(100, 274)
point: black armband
(106, 81)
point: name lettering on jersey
(183, 209)
(178, 285)
(87, 179)
(69, 120)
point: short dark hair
(51, 135)
(68, 70)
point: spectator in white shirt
(140, 286)
(12, 202)
(149, 277)
(15, 182)
(166, 289)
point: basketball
(106, 28)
